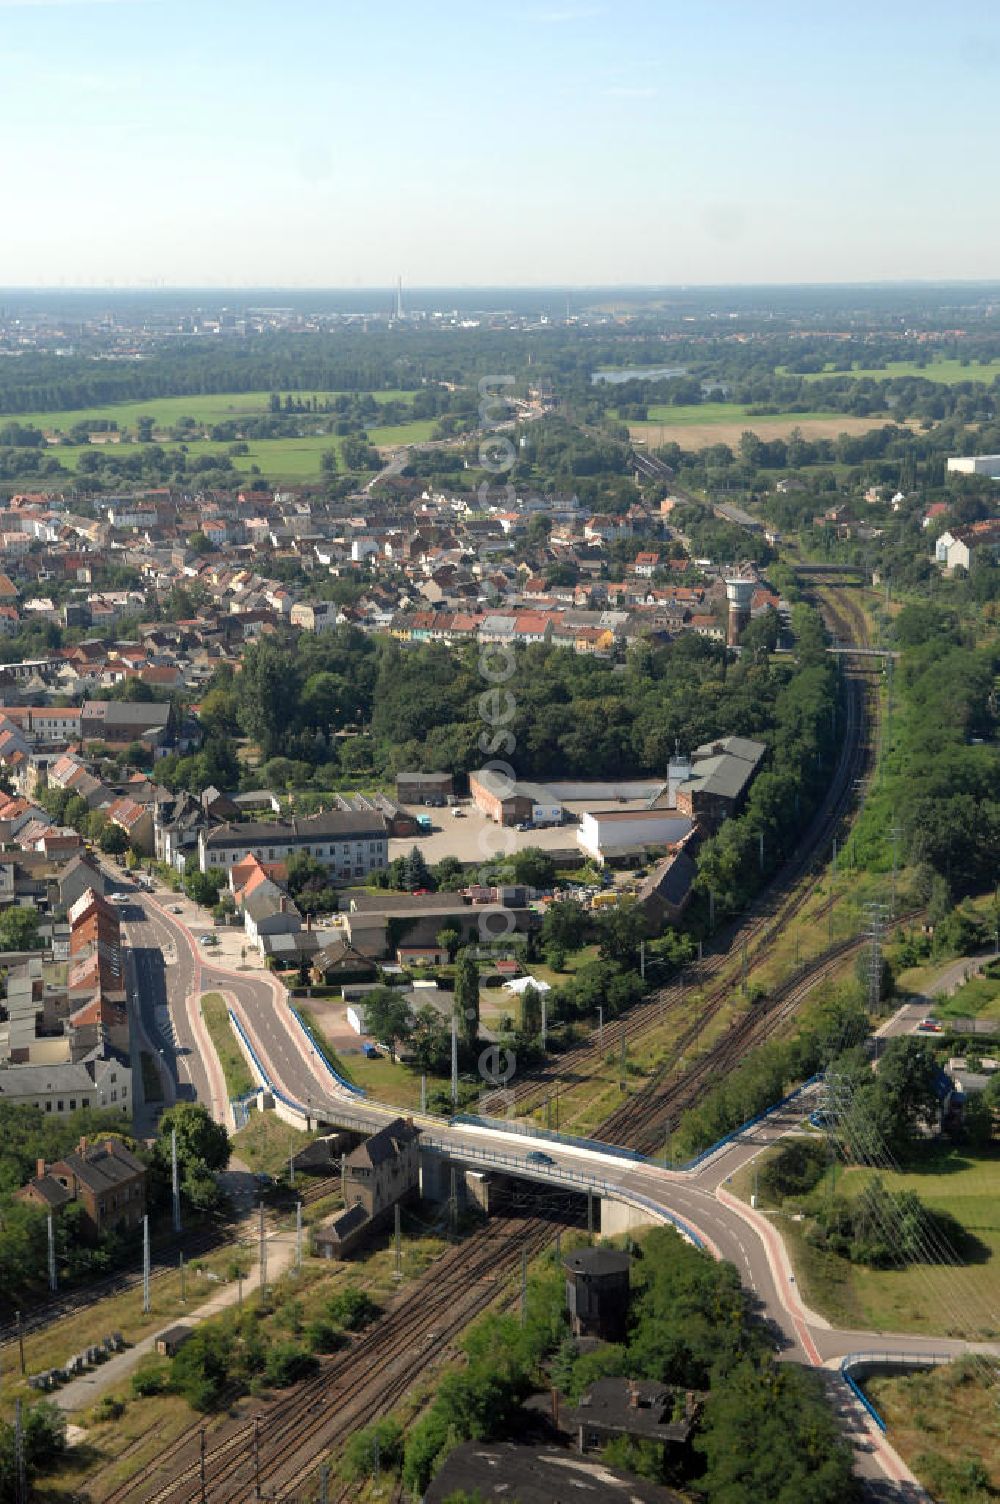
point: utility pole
(895, 834)
(145, 1265)
(298, 1236)
(453, 1202)
(760, 849)
(263, 1258)
(343, 1178)
(398, 1271)
(20, 1469)
(875, 914)
(175, 1183)
(423, 1091)
(53, 1278)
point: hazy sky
(334, 143)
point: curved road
(698, 1199)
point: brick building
(107, 1180)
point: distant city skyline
(307, 145)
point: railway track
(646, 1118)
(45, 1311)
(277, 1450)
(752, 938)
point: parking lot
(474, 837)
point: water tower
(739, 594)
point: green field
(289, 459)
(948, 372)
(166, 411)
(977, 998)
(932, 1298)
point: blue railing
(259, 1068)
(342, 1082)
(870, 1360)
(241, 1107)
(531, 1130)
(729, 1138)
(578, 1179)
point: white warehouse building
(975, 464)
(604, 833)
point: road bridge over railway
(627, 1187)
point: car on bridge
(536, 1157)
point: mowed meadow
(949, 372)
(295, 458)
(701, 424)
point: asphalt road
(163, 976)
(700, 1199)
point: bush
(323, 1337)
(151, 1376)
(107, 1408)
(286, 1362)
(796, 1169)
(379, 1444)
(352, 1309)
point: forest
(342, 701)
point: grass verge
(220, 1029)
(932, 1299)
(946, 1426)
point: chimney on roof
(40, 1168)
(82, 1146)
(633, 1394)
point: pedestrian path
(81, 1392)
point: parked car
(208, 939)
(929, 1026)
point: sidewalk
(83, 1391)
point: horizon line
(560, 287)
